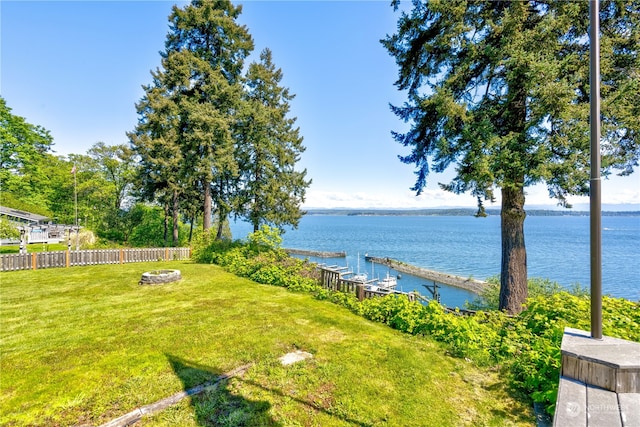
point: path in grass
(82, 346)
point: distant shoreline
(455, 212)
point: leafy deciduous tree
(22, 145)
(116, 164)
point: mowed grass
(84, 345)
(34, 247)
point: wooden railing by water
(469, 284)
(56, 259)
(332, 278)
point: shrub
(489, 299)
(260, 259)
(265, 238)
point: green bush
(260, 259)
(490, 297)
(206, 249)
(8, 230)
(265, 238)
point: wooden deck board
(610, 363)
(599, 382)
(582, 405)
(629, 409)
(602, 408)
(571, 404)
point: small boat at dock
(389, 282)
(359, 276)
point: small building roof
(25, 216)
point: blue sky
(77, 68)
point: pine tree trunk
(222, 217)
(206, 219)
(513, 278)
(166, 222)
(176, 209)
(255, 216)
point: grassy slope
(84, 345)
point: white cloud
(615, 191)
(400, 200)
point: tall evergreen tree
(161, 175)
(268, 148)
(206, 48)
(500, 89)
(189, 108)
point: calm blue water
(557, 247)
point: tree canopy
(499, 90)
(269, 147)
(202, 120)
(213, 138)
(23, 145)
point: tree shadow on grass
(311, 405)
(217, 405)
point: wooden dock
(476, 286)
(318, 254)
(334, 278)
(599, 382)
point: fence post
(360, 291)
(66, 256)
(121, 256)
(34, 260)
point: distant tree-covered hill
(455, 212)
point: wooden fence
(38, 260)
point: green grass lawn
(83, 345)
(34, 247)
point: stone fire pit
(157, 277)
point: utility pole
(595, 196)
(75, 197)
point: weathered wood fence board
(16, 262)
(56, 259)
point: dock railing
(332, 278)
(57, 259)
